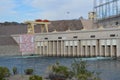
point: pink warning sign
(27, 47)
(26, 38)
(26, 43)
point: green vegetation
(15, 70)
(28, 71)
(35, 77)
(58, 72)
(4, 72)
(78, 71)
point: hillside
(7, 29)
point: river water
(110, 69)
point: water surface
(110, 69)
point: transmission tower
(106, 8)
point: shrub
(80, 72)
(58, 72)
(4, 72)
(15, 70)
(35, 77)
(28, 71)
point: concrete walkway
(19, 77)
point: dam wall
(8, 45)
(81, 43)
(9, 50)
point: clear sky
(22, 10)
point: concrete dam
(101, 42)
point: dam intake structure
(79, 43)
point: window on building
(59, 37)
(112, 35)
(92, 36)
(46, 38)
(75, 36)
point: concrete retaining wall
(9, 50)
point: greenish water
(110, 69)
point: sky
(23, 10)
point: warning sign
(26, 43)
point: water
(110, 69)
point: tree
(58, 72)
(15, 70)
(29, 71)
(80, 72)
(4, 72)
